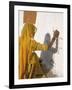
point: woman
(28, 60)
(26, 47)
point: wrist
(53, 38)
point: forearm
(43, 47)
(51, 43)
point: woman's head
(29, 30)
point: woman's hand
(56, 34)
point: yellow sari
(27, 46)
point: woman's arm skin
(55, 36)
(51, 43)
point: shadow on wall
(47, 56)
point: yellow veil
(25, 48)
